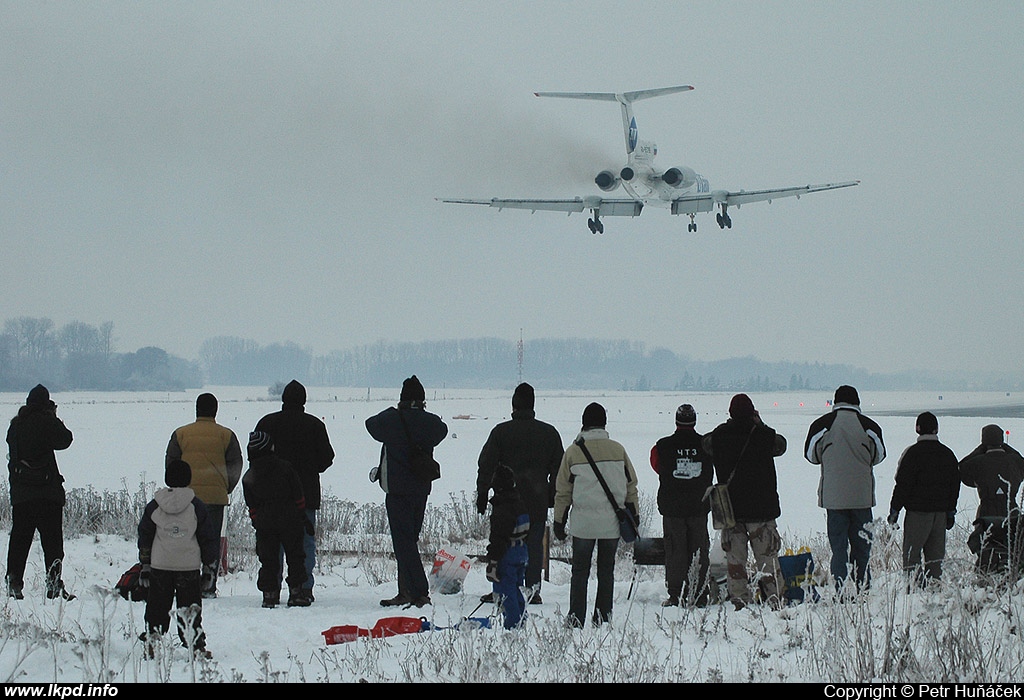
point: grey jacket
(847, 444)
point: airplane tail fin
(626, 100)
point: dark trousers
(405, 519)
(582, 555)
(850, 541)
(216, 513)
(535, 548)
(686, 557)
(168, 587)
(924, 537)
(270, 542)
(27, 518)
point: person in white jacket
(593, 521)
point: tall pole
(519, 352)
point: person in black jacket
(928, 487)
(400, 430)
(277, 510)
(533, 451)
(744, 451)
(685, 472)
(301, 439)
(37, 492)
(506, 547)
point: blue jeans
(850, 540)
(582, 554)
(508, 590)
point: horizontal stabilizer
(617, 97)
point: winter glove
(481, 502)
(492, 572)
(950, 519)
(559, 529)
(894, 516)
(206, 583)
(144, 576)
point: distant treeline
(79, 356)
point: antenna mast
(519, 354)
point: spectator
(996, 470)
(37, 492)
(506, 548)
(301, 439)
(847, 444)
(401, 430)
(277, 510)
(685, 472)
(744, 449)
(215, 457)
(533, 451)
(176, 541)
(582, 504)
(928, 486)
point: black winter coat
(533, 451)
(754, 489)
(685, 471)
(33, 436)
(301, 440)
(273, 493)
(927, 479)
(425, 429)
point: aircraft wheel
(599, 226)
(721, 223)
(590, 225)
(728, 222)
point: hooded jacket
(424, 429)
(301, 440)
(176, 533)
(997, 472)
(847, 444)
(579, 495)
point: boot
(298, 597)
(54, 584)
(271, 599)
(15, 590)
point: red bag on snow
(385, 627)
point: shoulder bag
(722, 517)
(629, 530)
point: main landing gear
(595, 224)
(692, 226)
(723, 219)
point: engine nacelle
(680, 178)
(606, 180)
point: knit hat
(503, 479)
(523, 398)
(594, 416)
(741, 406)
(686, 416)
(206, 405)
(927, 423)
(294, 393)
(178, 474)
(39, 394)
(847, 394)
(412, 390)
(259, 443)
(992, 436)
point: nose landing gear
(692, 226)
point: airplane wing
(603, 207)
(707, 201)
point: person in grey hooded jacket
(847, 444)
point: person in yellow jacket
(215, 455)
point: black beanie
(503, 479)
(927, 423)
(206, 405)
(39, 395)
(741, 406)
(594, 416)
(523, 398)
(178, 474)
(992, 436)
(686, 416)
(259, 443)
(412, 390)
(294, 393)
(847, 394)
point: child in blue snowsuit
(506, 550)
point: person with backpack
(177, 549)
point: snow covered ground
(120, 441)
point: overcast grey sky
(269, 171)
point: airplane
(679, 189)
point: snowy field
(120, 441)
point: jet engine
(606, 180)
(680, 178)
